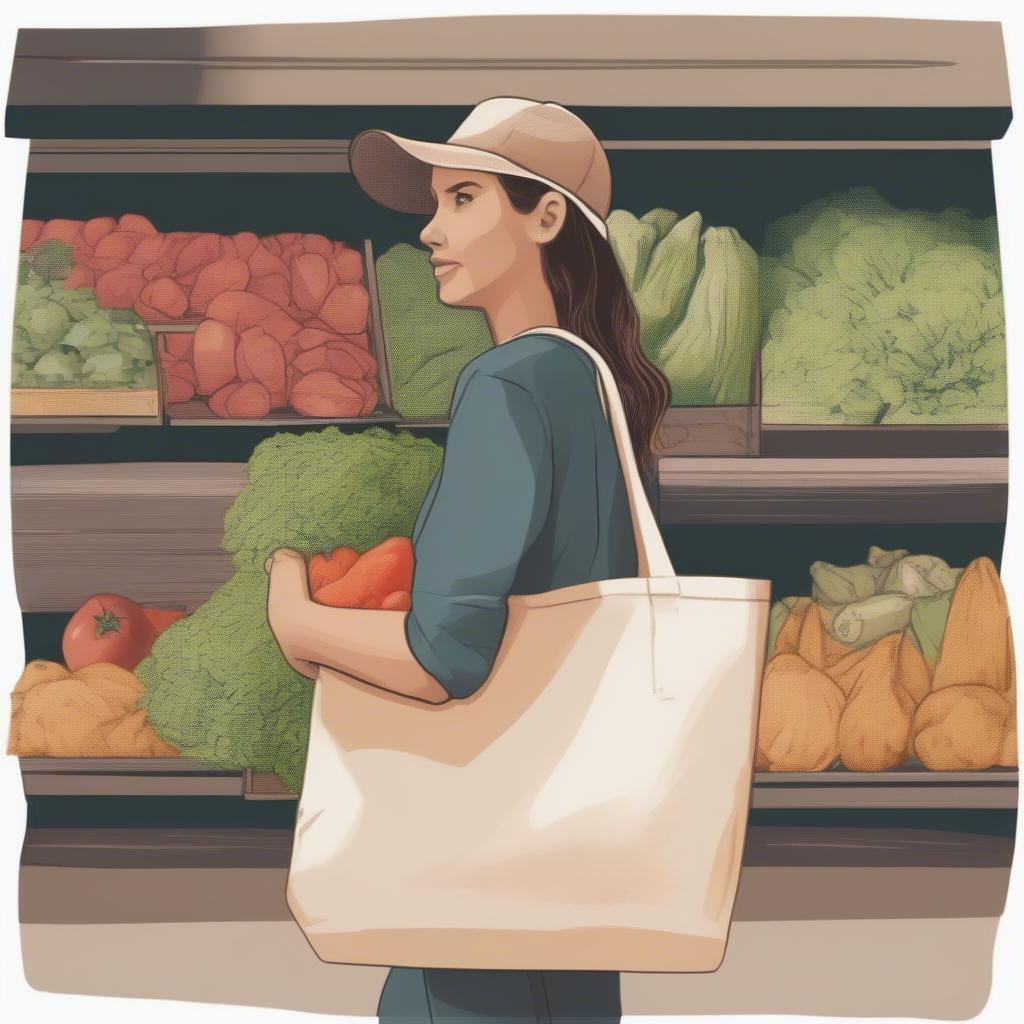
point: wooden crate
(72, 406)
(197, 413)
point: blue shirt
(530, 497)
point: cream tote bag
(585, 809)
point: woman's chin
(453, 296)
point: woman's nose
(431, 234)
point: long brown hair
(593, 301)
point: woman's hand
(287, 602)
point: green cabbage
(878, 315)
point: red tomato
(325, 569)
(108, 628)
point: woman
(531, 495)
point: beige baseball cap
(501, 135)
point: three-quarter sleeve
(491, 500)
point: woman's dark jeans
(414, 995)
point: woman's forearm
(368, 644)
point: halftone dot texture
(875, 315)
(427, 342)
(216, 684)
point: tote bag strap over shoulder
(652, 556)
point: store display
(890, 675)
(264, 307)
(90, 712)
(216, 684)
(876, 315)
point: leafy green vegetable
(877, 315)
(709, 358)
(668, 281)
(427, 343)
(216, 684)
(63, 337)
(45, 322)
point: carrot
(380, 571)
(166, 296)
(240, 310)
(136, 222)
(228, 249)
(372, 397)
(262, 359)
(81, 276)
(348, 267)
(29, 233)
(65, 230)
(311, 280)
(359, 340)
(95, 229)
(397, 601)
(179, 368)
(314, 359)
(179, 344)
(178, 390)
(279, 325)
(119, 287)
(311, 337)
(359, 358)
(219, 399)
(297, 313)
(249, 401)
(317, 243)
(291, 350)
(246, 243)
(213, 356)
(273, 287)
(148, 251)
(114, 250)
(216, 278)
(324, 394)
(324, 569)
(197, 253)
(345, 308)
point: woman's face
(479, 242)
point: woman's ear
(548, 217)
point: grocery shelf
(198, 414)
(79, 424)
(994, 789)
(820, 490)
(918, 441)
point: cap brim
(395, 171)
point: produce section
(757, 267)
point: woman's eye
(462, 195)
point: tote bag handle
(652, 555)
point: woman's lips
(443, 268)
